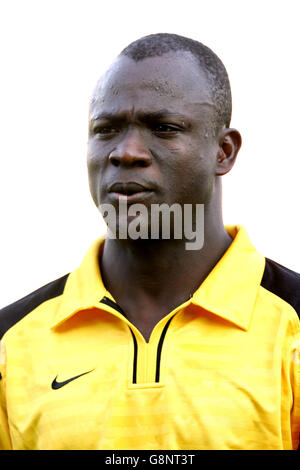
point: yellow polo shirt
(221, 371)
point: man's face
(150, 137)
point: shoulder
(282, 282)
(14, 312)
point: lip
(128, 188)
(129, 191)
(132, 198)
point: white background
(53, 52)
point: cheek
(96, 161)
(190, 177)
(95, 166)
(95, 155)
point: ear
(230, 142)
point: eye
(165, 130)
(106, 131)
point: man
(148, 344)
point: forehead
(173, 81)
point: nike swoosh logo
(55, 385)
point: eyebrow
(144, 116)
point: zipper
(114, 305)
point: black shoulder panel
(282, 282)
(14, 312)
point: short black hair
(158, 44)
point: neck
(158, 269)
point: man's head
(156, 45)
(159, 118)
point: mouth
(130, 191)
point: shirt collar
(84, 287)
(229, 291)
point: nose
(131, 151)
